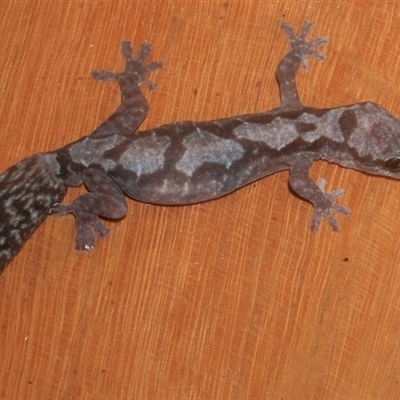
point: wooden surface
(231, 299)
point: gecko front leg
(299, 53)
(323, 204)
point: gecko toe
(154, 66)
(145, 51)
(305, 29)
(104, 75)
(341, 209)
(127, 49)
(60, 209)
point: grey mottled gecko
(189, 162)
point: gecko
(188, 162)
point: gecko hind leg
(134, 105)
(104, 199)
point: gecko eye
(393, 164)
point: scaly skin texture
(189, 162)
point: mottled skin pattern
(189, 162)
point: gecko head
(374, 139)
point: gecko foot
(104, 198)
(86, 223)
(303, 48)
(325, 207)
(134, 67)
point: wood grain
(231, 299)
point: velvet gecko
(189, 162)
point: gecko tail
(28, 190)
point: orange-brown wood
(231, 299)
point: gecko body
(189, 162)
